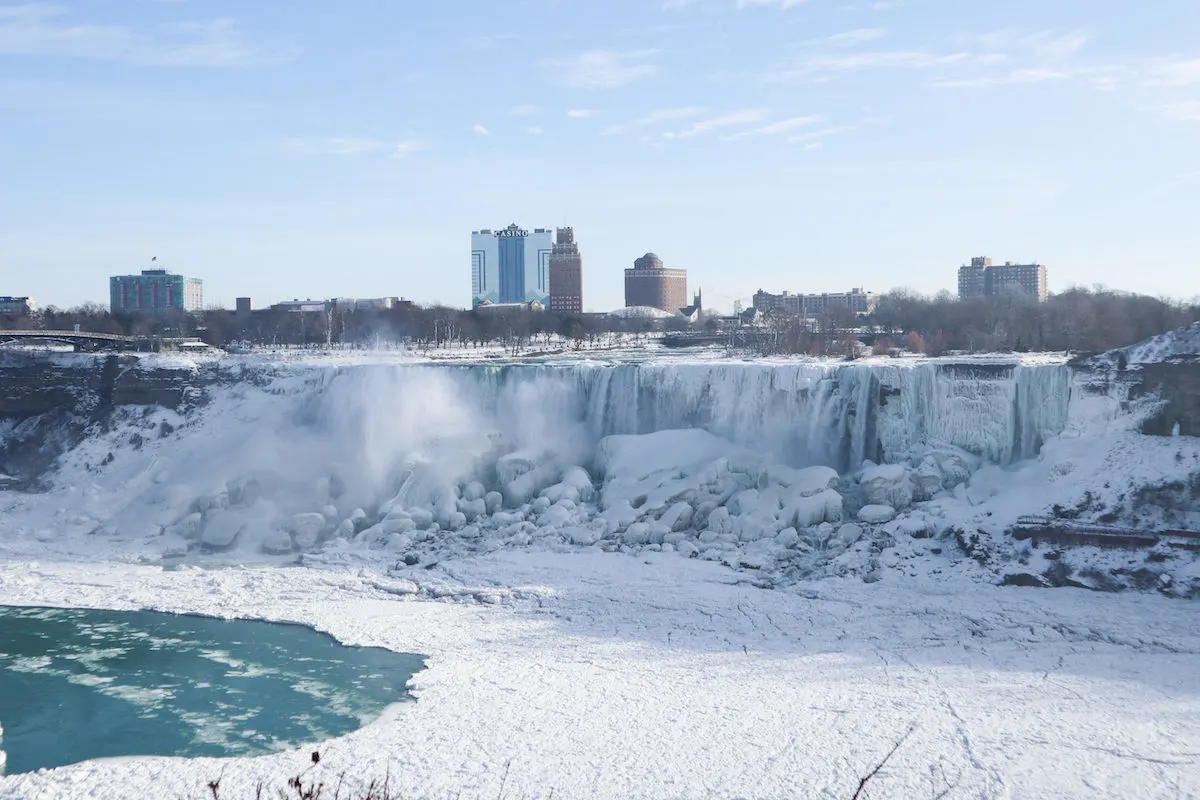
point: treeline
(405, 324)
(1079, 319)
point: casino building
(511, 265)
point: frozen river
(83, 684)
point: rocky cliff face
(1164, 371)
(1177, 385)
(49, 401)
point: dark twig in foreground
(862, 784)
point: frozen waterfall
(831, 414)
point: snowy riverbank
(608, 676)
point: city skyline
(776, 144)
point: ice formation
(755, 465)
(726, 460)
(523, 485)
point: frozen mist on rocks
(292, 457)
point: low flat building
(301, 306)
(367, 303)
(155, 291)
(499, 308)
(856, 301)
(21, 306)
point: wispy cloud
(816, 139)
(524, 110)
(776, 3)
(582, 113)
(40, 29)
(1016, 76)
(745, 116)
(480, 130)
(821, 67)
(856, 36)
(1184, 111)
(534, 130)
(774, 128)
(654, 118)
(1052, 46)
(356, 146)
(338, 145)
(601, 69)
(1180, 72)
(1044, 45)
(405, 149)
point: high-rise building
(855, 301)
(971, 278)
(566, 274)
(982, 278)
(511, 265)
(651, 284)
(155, 291)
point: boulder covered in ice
(306, 529)
(986, 484)
(526, 486)
(955, 464)
(887, 484)
(805, 512)
(927, 479)
(277, 543)
(221, 529)
(576, 486)
(876, 514)
(513, 465)
(630, 457)
(803, 482)
(849, 533)
(187, 528)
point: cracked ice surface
(611, 676)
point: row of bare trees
(405, 324)
(1078, 319)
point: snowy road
(606, 676)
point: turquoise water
(78, 684)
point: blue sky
(313, 149)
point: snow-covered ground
(661, 577)
(613, 676)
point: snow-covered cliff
(409, 459)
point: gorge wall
(832, 414)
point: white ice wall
(813, 413)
